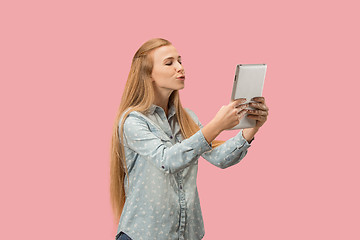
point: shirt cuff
(243, 142)
(205, 145)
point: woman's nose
(180, 68)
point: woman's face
(168, 73)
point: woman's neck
(162, 100)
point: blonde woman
(156, 145)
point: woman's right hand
(229, 115)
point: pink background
(63, 67)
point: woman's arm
(210, 131)
(139, 138)
(235, 149)
(228, 153)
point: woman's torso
(161, 205)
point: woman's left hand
(260, 113)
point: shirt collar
(171, 110)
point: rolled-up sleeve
(227, 154)
(139, 138)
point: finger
(258, 99)
(241, 113)
(239, 101)
(257, 117)
(241, 110)
(258, 112)
(261, 106)
(242, 106)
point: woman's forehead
(164, 52)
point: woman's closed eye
(169, 63)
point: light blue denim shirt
(162, 198)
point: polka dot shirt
(162, 200)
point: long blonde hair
(138, 95)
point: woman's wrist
(249, 133)
(211, 131)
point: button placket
(182, 208)
(165, 127)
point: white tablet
(248, 83)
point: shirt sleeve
(227, 154)
(139, 138)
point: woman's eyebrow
(179, 57)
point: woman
(156, 144)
